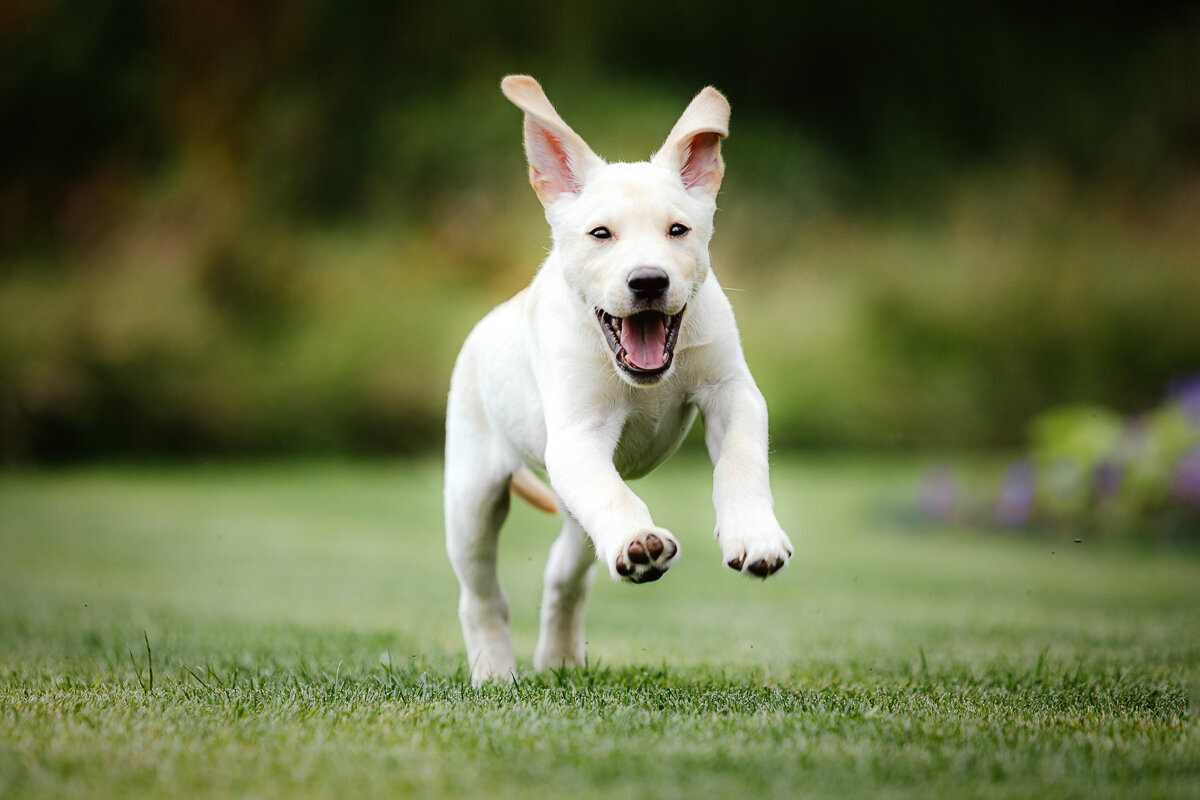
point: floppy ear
(693, 149)
(559, 160)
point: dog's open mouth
(644, 343)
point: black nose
(648, 283)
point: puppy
(594, 374)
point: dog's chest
(652, 431)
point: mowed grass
(290, 630)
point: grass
(290, 630)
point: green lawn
(300, 622)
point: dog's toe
(654, 546)
(637, 552)
(761, 568)
(755, 557)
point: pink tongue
(644, 337)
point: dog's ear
(559, 160)
(693, 149)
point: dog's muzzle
(643, 343)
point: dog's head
(632, 238)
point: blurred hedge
(247, 228)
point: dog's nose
(648, 283)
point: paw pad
(646, 558)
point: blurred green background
(235, 228)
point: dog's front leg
(735, 430)
(579, 460)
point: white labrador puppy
(595, 373)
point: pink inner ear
(701, 159)
(553, 162)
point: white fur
(536, 384)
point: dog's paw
(645, 556)
(759, 551)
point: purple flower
(1186, 482)
(1106, 478)
(1187, 395)
(939, 493)
(1014, 504)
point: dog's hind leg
(476, 504)
(475, 509)
(568, 579)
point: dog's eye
(678, 230)
(600, 233)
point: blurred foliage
(267, 227)
(1090, 470)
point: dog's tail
(529, 488)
